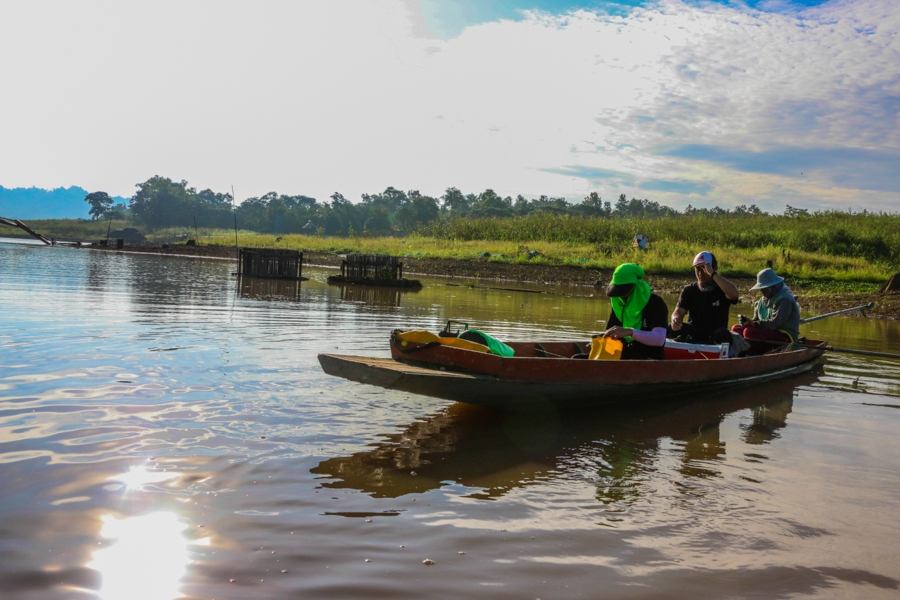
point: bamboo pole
(843, 311)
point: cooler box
(683, 351)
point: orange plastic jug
(605, 348)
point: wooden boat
(544, 372)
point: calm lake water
(167, 433)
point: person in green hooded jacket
(638, 316)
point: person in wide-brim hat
(776, 316)
(766, 278)
(637, 316)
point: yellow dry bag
(605, 348)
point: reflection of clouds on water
(142, 557)
(107, 530)
(139, 476)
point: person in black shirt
(707, 301)
(638, 316)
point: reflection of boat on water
(498, 451)
(542, 372)
(261, 288)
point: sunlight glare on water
(145, 558)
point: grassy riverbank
(838, 252)
(671, 258)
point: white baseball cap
(704, 258)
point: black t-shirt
(656, 314)
(708, 309)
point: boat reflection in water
(260, 288)
(618, 449)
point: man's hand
(677, 319)
(708, 269)
(618, 333)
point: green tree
(594, 206)
(455, 202)
(161, 202)
(100, 204)
(341, 217)
(377, 223)
(212, 209)
(521, 206)
(416, 211)
(791, 211)
(545, 204)
(489, 204)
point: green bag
(494, 345)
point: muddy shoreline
(563, 279)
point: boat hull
(476, 378)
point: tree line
(160, 202)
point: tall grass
(668, 257)
(873, 237)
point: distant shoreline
(549, 277)
(815, 296)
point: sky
(709, 103)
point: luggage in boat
(494, 345)
(421, 336)
(458, 335)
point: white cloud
(317, 97)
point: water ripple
(148, 395)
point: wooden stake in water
(234, 213)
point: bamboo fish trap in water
(373, 269)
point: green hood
(629, 310)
